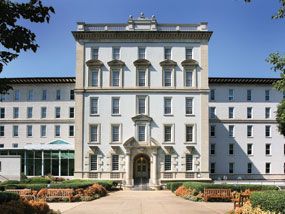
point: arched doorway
(141, 169)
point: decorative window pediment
(141, 118)
(116, 63)
(189, 63)
(142, 63)
(133, 143)
(168, 63)
(94, 63)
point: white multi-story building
(145, 112)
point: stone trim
(116, 63)
(168, 63)
(94, 63)
(143, 90)
(248, 121)
(39, 121)
(189, 63)
(142, 63)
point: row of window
(43, 131)
(248, 95)
(116, 130)
(142, 105)
(29, 112)
(231, 112)
(231, 150)
(249, 133)
(44, 95)
(231, 167)
(116, 53)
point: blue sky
(244, 34)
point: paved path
(142, 202)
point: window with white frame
(267, 167)
(167, 163)
(29, 130)
(93, 133)
(141, 52)
(267, 112)
(213, 167)
(2, 112)
(30, 95)
(29, 112)
(188, 78)
(57, 112)
(71, 94)
(249, 168)
(231, 168)
(115, 105)
(249, 112)
(248, 95)
(71, 131)
(71, 112)
(212, 94)
(212, 131)
(141, 104)
(188, 53)
(167, 53)
(2, 131)
(268, 149)
(213, 149)
(231, 149)
(189, 162)
(267, 95)
(231, 112)
(231, 94)
(115, 132)
(167, 105)
(189, 105)
(267, 131)
(57, 131)
(43, 112)
(141, 78)
(58, 94)
(116, 53)
(94, 79)
(93, 105)
(16, 95)
(93, 162)
(94, 53)
(115, 162)
(231, 130)
(15, 131)
(249, 131)
(44, 94)
(16, 112)
(141, 132)
(212, 112)
(167, 77)
(115, 77)
(249, 148)
(189, 133)
(43, 130)
(168, 133)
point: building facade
(143, 111)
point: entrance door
(141, 169)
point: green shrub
(25, 186)
(37, 180)
(173, 185)
(8, 196)
(273, 201)
(10, 182)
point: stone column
(128, 169)
(154, 168)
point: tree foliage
(15, 38)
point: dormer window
(116, 53)
(141, 53)
(167, 53)
(188, 53)
(94, 53)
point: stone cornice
(37, 121)
(142, 90)
(145, 35)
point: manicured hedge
(8, 196)
(273, 201)
(37, 180)
(173, 185)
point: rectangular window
(30, 95)
(43, 130)
(249, 131)
(249, 149)
(43, 112)
(141, 77)
(15, 145)
(167, 53)
(2, 112)
(267, 95)
(2, 97)
(231, 130)
(115, 78)
(17, 95)
(93, 162)
(188, 53)
(94, 53)
(2, 131)
(212, 112)
(141, 105)
(231, 168)
(57, 112)
(267, 112)
(188, 78)
(115, 133)
(71, 94)
(116, 53)
(267, 149)
(58, 95)
(115, 105)
(213, 149)
(93, 133)
(167, 162)
(15, 112)
(57, 130)
(231, 94)
(267, 131)
(167, 106)
(115, 162)
(44, 94)
(189, 105)
(95, 78)
(249, 168)
(71, 112)
(15, 131)
(71, 131)
(167, 133)
(231, 149)
(167, 77)
(248, 95)
(212, 94)
(94, 105)
(212, 131)
(141, 133)
(29, 112)
(189, 162)
(213, 167)
(141, 53)
(267, 168)
(249, 113)
(29, 131)
(231, 112)
(189, 133)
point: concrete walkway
(142, 202)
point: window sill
(94, 115)
(268, 137)
(251, 155)
(168, 143)
(212, 136)
(168, 115)
(189, 115)
(115, 142)
(116, 115)
(190, 142)
(268, 155)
